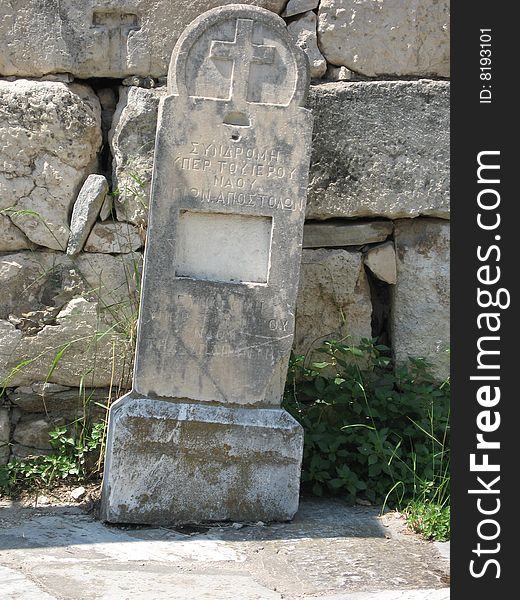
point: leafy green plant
(371, 432)
(75, 456)
(430, 519)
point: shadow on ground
(328, 549)
(48, 526)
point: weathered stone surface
(34, 281)
(302, 559)
(338, 73)
(107, 208)
(89, 38)
(303, 30)
(132, 140)
(387, 37)
(252, 188)
(394, 162)
(297, 7)
(31, 322)
(113, 238)
(50, 134)
(86, 210)
(11, 238)
(420, 299)
(225, 463)
(21, 285)
(43, 397)
(144, 82)
(88, 355)
(5, 435)
(34, 433)
(78, 493)
(381, 261)
(19, 451)
(220, 284)
(336, 233)
(380, 149)
(70, 303)
(333, 299)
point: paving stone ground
(329, 552)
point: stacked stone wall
(80, 84)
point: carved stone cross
(117, 26)
(242, 52)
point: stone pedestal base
(170, 462)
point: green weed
(430, 519)
(371, 433)
(75, 457)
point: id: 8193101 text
(485, 66)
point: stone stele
(201, 436)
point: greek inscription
(193, 164)
(218, 336)
(215, 150)
(238, 168)
(255, 351)
(208, 306)
(233, 183)
(278, 324)
(255, 170)
(235, 198)
(225, 349)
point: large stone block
(174, 462)
(11, 238)
(132, 139)
(303, 30)
(387, 37)
(76, 348)
(60, 401)
(380, 149)
(84, 306)
(333, 300)
(50, 134)
(33, 281)
(33, 432)
(93, 38)
(420, 313)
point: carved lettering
(215, 150)
(233, 198)
(278, 324)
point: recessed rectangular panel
(223, 247)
